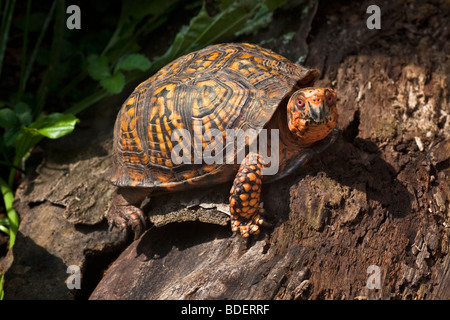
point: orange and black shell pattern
(225, 86)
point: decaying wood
(379, 197)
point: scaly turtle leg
(125, 211)
(245, 196)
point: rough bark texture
(380, 196)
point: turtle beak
(316, 109)
(315, 99)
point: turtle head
(312, 114)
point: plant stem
(101, 94)
(24, 51)
(12, 172)
(49, 76)
(2, 293)
(73, 83)
(33, 55)
(87, 102)
(4, 29)
(8, 198)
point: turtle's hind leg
(126, 210)
(245, 197)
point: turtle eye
(330, 99)
(300, 103)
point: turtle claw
(137, 224)
(125, 212)
(248, 228)
(262, 216)
(110, 227)
(127, 216)
(136, 221)
(138, 230)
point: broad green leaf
(133, 61)
(204, 30)
(115, 83)
(7, 118)
(54, 125)
(97, 67)
(23, 113)
(10, 136)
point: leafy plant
(113, 82)
(24, 125)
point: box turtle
(218, 89)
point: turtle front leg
(126, 211)
(245, 196)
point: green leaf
(7, 118)
(53, 126)
(204, 30)
(114, 84)
(97, 67)
(274, 4)
(262, 18)
(26, 139)
(23, 113)
(10, 136)
(4, 221)
(133, 61)
(135, 13)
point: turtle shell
(221, 87)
